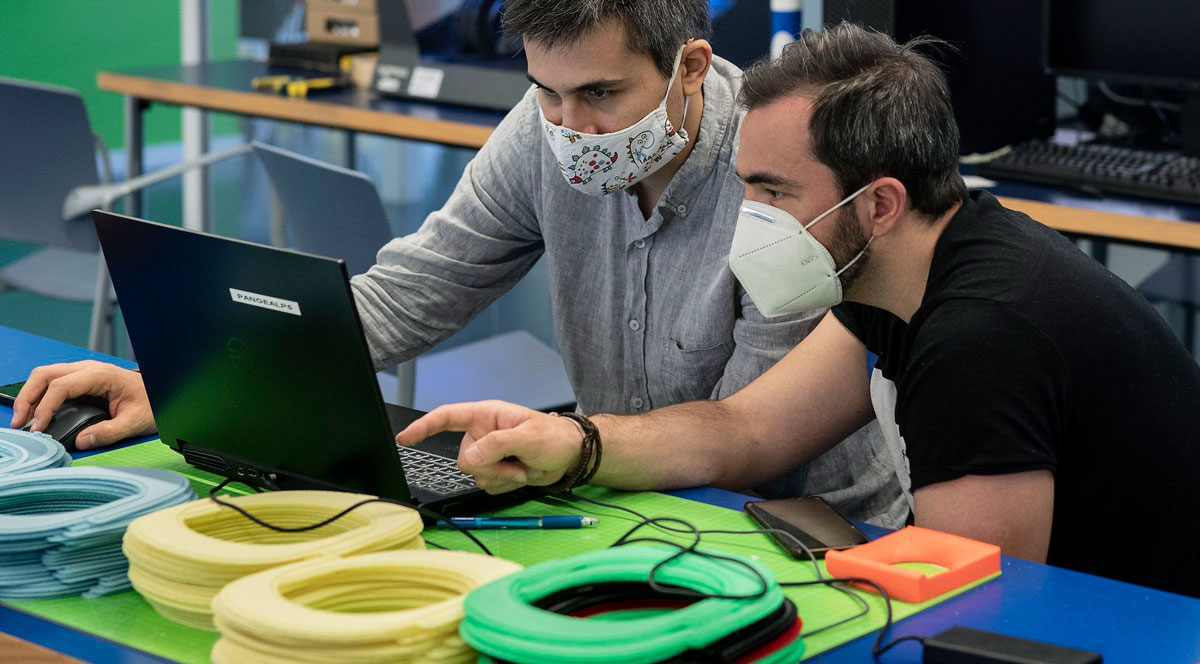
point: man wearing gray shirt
(618, 167)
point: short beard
(847, 242)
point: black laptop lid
(253, 357)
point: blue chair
(333, 211)
(47, 149)
(48, 186)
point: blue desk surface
(1125, 623)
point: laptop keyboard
(433, 472)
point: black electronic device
(314, 56)
(1001, 92)
(810, 520)
(256, 367)
(75, 415)
(964, 645)
(1101, 168)
(1147, 43)
(471, 70)
(8, 393)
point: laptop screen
(253, 358)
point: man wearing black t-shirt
(1031, 398)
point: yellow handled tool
(302, 87)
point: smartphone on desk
(810, 520)
(8, 393)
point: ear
(885, 200)
(696, 59)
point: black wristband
(589, 456)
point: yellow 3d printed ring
(179, 558)
(394, 606)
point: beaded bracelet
(589, 456)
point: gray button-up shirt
(646, 311)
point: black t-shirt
(1026, 354)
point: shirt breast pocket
(693, 366)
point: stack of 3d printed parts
(24, 452)
(393, 606)
(599, 607)
(61, 528)
(179, 558)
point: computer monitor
(1148, 42)
(1000, 90)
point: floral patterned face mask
(599, 164)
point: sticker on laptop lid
(265, 301)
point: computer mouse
(74, 416)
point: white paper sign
(425, 82)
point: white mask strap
(671, 84)
(856, 257)
(844, 201)
(674, 72)
(683, 120)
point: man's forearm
(804, 405)
(691, 444)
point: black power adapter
(963, 645)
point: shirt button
(636, 402)
(681, 208)
(639, 244)
(634, 325)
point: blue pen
(520, 522)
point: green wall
(65, 42)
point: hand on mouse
(49, 386)
(504, 446)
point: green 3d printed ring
(502, 621)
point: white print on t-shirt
(883, 399)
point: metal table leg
(101, 333)
(406, 387)
(351, 155)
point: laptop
(256, 367)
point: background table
(1124, 622)
(225, 86)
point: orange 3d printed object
(965, 560)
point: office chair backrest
(330, 211)
(46, 150)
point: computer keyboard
(433, 472)
(1115, 170)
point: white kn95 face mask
(781, 265)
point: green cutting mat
(127, 619)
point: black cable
(864, 607)
(662, 523)
(898, 639)
(692, 548)
(876, 649)
(212, 495)
(1156, 105)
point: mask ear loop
(831, 211)
(834, 208)
(856, 257)
(686, 98)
